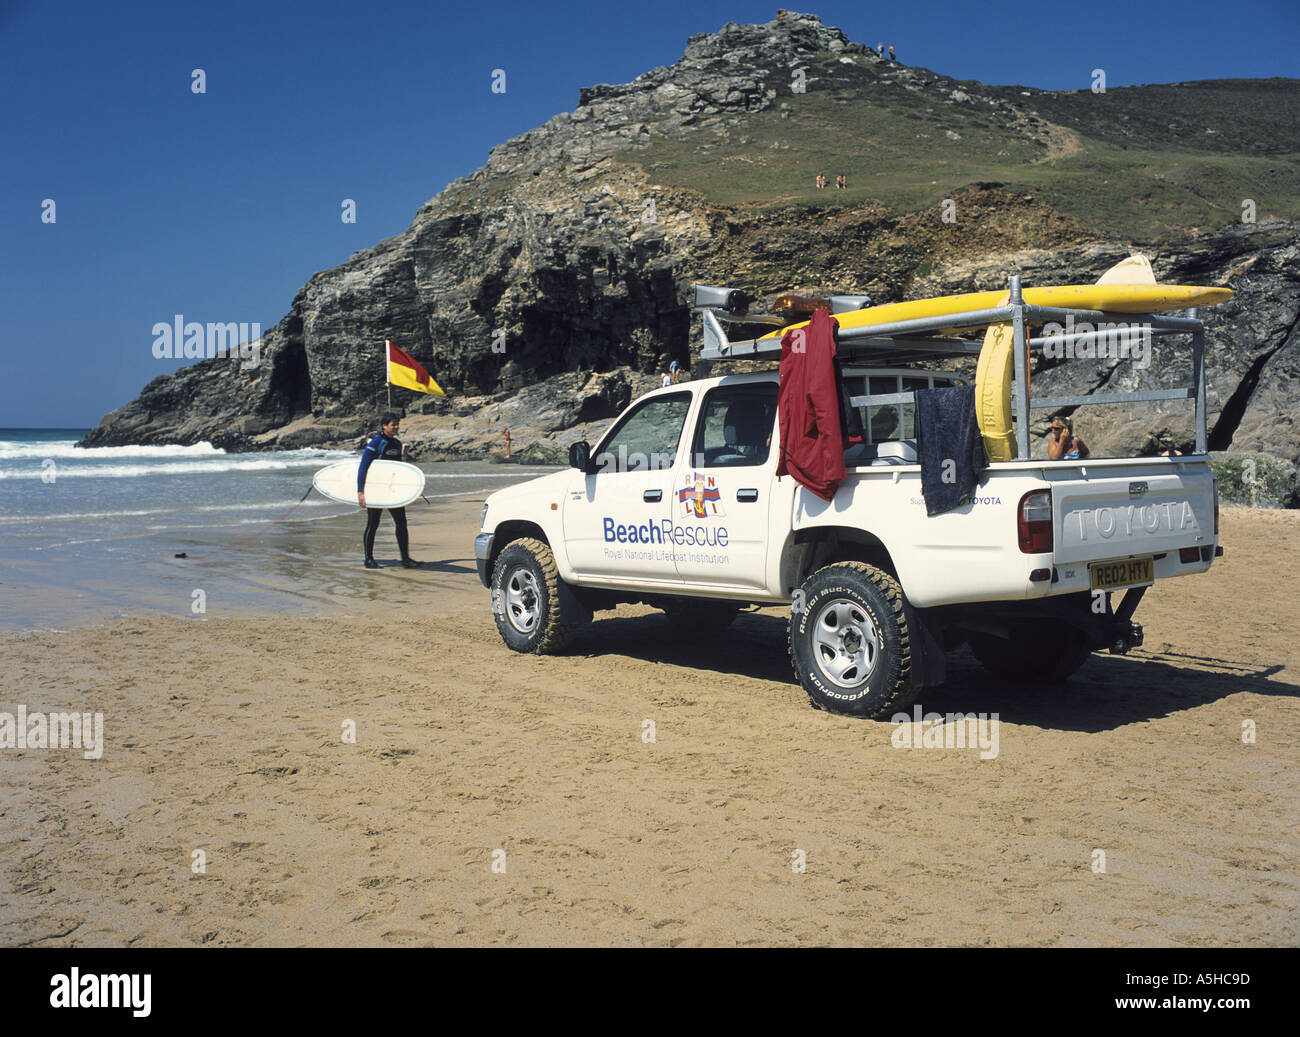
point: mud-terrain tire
(849, 642)
(1038, 650)
(526, 599)
(698, 618)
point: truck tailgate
(1112, 514)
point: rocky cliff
(548, 287)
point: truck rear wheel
(849, 642)
(1037, 650)
(699, 618)
(526, 599)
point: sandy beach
(494, 798)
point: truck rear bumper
(1110, 630)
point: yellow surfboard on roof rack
(1127, 287)
(1110, 298)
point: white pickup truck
(679, 506)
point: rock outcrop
(550, 285)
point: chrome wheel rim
(523, 601)
(846, 643)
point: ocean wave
(124, 471)
(65, 448)
(68, 448)
(311, 502)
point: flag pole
(387, 382)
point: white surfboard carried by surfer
(389, 484)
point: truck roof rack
(909, 341)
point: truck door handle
(748, 496)
(652, 496)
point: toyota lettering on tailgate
(1136, 520)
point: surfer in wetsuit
(387, 446)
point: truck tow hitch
(1131, 638)
(1127, 634)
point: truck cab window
(735, 426)
(647, 438)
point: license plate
(1133, 572)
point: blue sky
(220, 206)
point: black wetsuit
(389, 449)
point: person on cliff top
(383, 445)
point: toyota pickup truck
(679, 506)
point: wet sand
(271, 558)
(224, 734)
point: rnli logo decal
(699, 496)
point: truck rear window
(885, 423)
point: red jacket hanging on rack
(813, 438)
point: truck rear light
(1189, 554)
(1034, 522)
(1214, 483)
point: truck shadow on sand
(1108, 692)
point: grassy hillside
(1138, 162)
(1223, 116)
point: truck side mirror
(580, 456)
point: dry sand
(225, 735)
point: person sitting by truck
(1063, 444)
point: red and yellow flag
(404, 371)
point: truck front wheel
(849, 642)
(526, 599)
